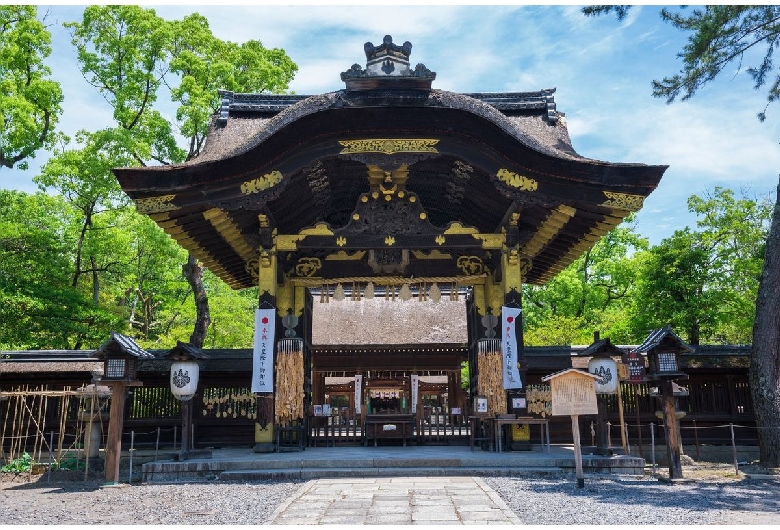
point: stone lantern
(120, 355)
(663, 348)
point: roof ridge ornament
(387, 66)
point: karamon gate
(388, 189)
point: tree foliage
(720, 36)
(136, 61)
(40, 309)
(588, 295)
(30, 102)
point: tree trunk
(765, 357)
(193, 272)
(95, 281)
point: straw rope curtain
(289, 382)
(490, 382)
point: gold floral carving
(440, 239)
(156, 204)
(434, 254)
(517, 181)
(341, 241)
(388, 146)
(525, 266)
(389, 241)
(320, 229)
(490, 241)
(252, 267)
(456, 228)
(261, 183)
(343, 256)
(470, 265)
(307, 267)
(287, 242)
(623, 201)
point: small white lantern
(605, 370)
(184, 379)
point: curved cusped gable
(394, 169)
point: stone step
(248, 475)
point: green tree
(83, 177)
(39, 309)
(674, 288)
(720, 36)
(30, 102)
(704, 282)
(133, 57)
(592, 294)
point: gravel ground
(711, 498)
(75, 502)
(616, 500)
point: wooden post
(601, 423)
(186, 429)
(575, 432)
(623, 441)
(116, 422)
(638, 422)
(672, 430)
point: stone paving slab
(396, 500)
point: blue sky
(602, 70)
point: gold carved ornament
(623, 201)
(471, 265)
(517, 181)
(307, 267)
(388, 146)
(156, 204)
(261, 183)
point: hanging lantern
(184, 379)
(605, 370)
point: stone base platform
(243, 464)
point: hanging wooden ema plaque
(573, 394)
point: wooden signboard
(573, 393)
(636, 367)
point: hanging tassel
(422, 294)
(435, 293)
(368, 294)
(338, 293)
(406, 293)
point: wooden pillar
(671, 425)
(318, 388)
(116, 422)
(514, 268)
(264, 401)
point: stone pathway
(419, 500)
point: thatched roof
(379, 321)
